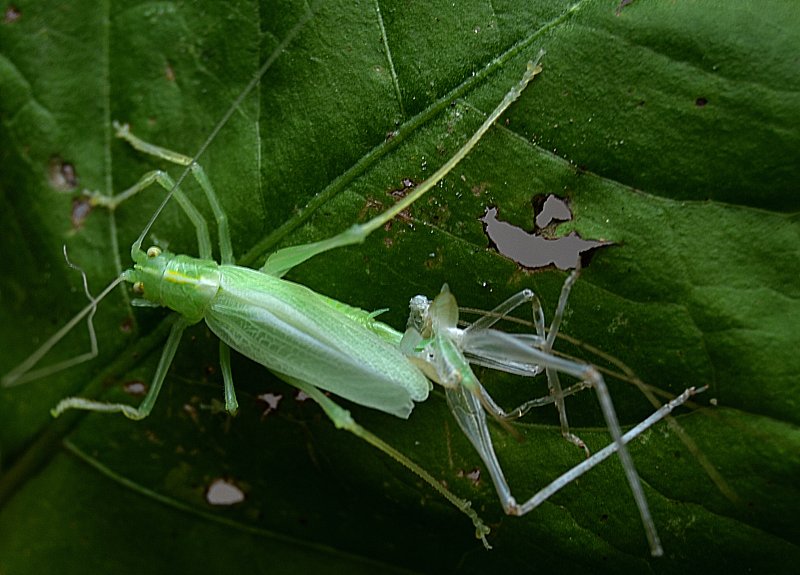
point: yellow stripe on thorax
(176, 277)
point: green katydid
(311, 341)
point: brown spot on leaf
(81, 208)
(12, 14)
(61, 174)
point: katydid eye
(138, 288)
(153, 252)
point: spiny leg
(170, 347)
(280, 262)
(342, 419)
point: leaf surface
(671, 129)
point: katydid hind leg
(342, 419)
(281, 261)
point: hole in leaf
(61, 175)
(135, 388)
(224, 492)
(81, 208)
(270, 401)
(12, 14)
(534, 250)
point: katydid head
(145, 275)
(181, 283)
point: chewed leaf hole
(269, 402)
(61, 174)
(553, 209)
(12, 14)
(224, 492)
(135, 388)
(473, 475)
(81, 207)
(534, 250)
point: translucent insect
(313, 342)
(444, 351)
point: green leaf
(671, 129)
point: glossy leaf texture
(671, 128)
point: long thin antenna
(137, 245)
(22, 373)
